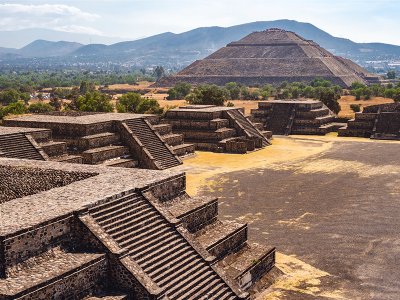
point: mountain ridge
(177, 50)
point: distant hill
(19, 38)
(179, 50)
(41, 48)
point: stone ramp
(159, 249)
(249, 128)
(279, 119)
(21, 146)
(158, 149)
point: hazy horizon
(360, 21)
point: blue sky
(361, 21)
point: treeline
(322, 90)
(31, 81)
(84, 97)
(361, 91)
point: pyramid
(271, 56)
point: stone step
(97, 140)
(248, 264)
(144, 227)
(128, 229)
(152, 247)
(76, 159)
(187, 283)
(202, 289)
(181, 275)
(163, 129)
(55, 272)
(97, 155)
(173, 139)
(123, 219)
(183, 149)
(54, 148)
(161, 250)
(122, 209)
(157, 269)
(107, 296)
(222, 237)
(122, 163)
(181, 263)
(146, 237)
(109, 206)
(132, 222)
(164, 255)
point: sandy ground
(330, 205)
(346, 101)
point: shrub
(355, 107)
(40, 107)
(179, 91)
(94, 101)
(207, 94)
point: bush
(16, 108)
(355, 107)
(179, 91)
(230, 104)
(128, 102)
(134, 103)
(40, 107)
(207, 94)
(94, 101)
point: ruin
(296, 116)
(272, 56)
(89, 232)
(111, 139)
(215, 128)
(375, 122)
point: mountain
(179, 50)
(20, 38)
(195, 44)
(41, 48)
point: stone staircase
(159, 249)
(249, 128)
(174, 140)
(152, 141)
(224, 240)
(278, 119)
(19, 145)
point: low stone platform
(295, 116)
(95, 138)
(215, 128)
(375, 122)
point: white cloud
(51, 16)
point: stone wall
(199, 217)
(16, 182)
(35, 241)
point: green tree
(179, 91)
(355, 107)
(149, 106)
(94, 101)
(330, 99)
(233, 89)
(128, 102)
(9, 96)
(15, 108)
(207, 94)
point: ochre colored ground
(327, 204)
(346, 101)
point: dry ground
(346, 101)
(330, 205)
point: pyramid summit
(271, 56)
